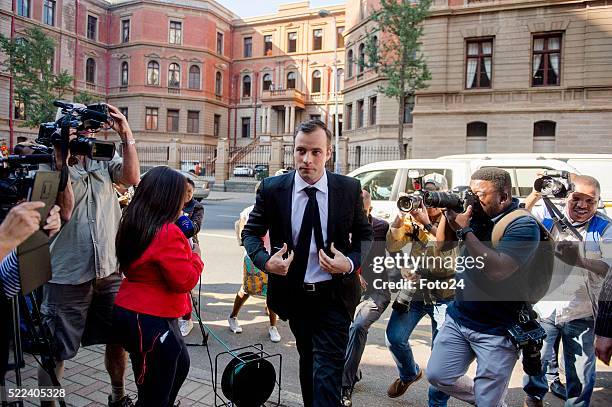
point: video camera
(85, 119)
(457, 200)
(554, 183)
(16, 178)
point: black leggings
(158, 353)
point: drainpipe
(255, 84)
(76, 46)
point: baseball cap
(438, 180)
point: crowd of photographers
(544, 280)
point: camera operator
(374, 301)
(78, 301)
(572, 319)
(417, 228)
(20, 223)
(480, 329)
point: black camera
(528, 336)
(408, 203)
(89, 119)
(457, 200)
(554, 183)
(16, 177)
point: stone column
(292, 120)
(174, 153)
(344, 155)
(286, 119)
(276, 154)
(263, 119)
(221, 164)
(269, 120)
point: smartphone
(45, 188)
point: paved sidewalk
(87, 383)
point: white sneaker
(234, 325)
(185, 325)
(274, 335)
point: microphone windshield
(186, 226)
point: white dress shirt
(314, 273)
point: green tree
(393, 49)
(35, 83)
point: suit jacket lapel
(286, 200)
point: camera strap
(65, 135)
(559, 219)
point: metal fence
(250, 162)
(362, 155)
(152, 156)
(206, 155)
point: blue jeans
(577, 337)
(399, 329)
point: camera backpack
(540, 268)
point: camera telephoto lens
(532, 363)
(409, 203)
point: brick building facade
(507, 75)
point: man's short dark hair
(21, 139)
(499, 178)
(190, 181)
(310, 126)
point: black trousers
(158, 353)
(321, 329)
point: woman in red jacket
(160, 268)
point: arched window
(174, 75)
(476, 137)
(90, 71)
(340, 79)
(125, 74)
(194, 77)
(267, 81)
(544, 133)
(291, 80)
(361, 59)
(316, 82)
(246, 86)
(218, 84)
(349, 62)
(153, 73)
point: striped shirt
(9, 275)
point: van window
(523, 178)
(378, 183)
(448, 174)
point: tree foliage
(393, 49)
(35, 83)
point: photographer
(572, 319)
(20, 223)
(77, 302)
(417, 228)
(477, 329)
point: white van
(595, 165)
(386, 179)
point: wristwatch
(428, 227)
(461, 233)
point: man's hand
(458, 221)
(569, 253)
(196, 249)
(420, 215)
(277, 265)
(339, 264)
(54, 223)
(20, 223)
(603, 349)
(408, 275)
(120, 123)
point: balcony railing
(282, 96)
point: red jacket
(157, 283)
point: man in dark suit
(318, 231)
(603, 325)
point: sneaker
(185, 325)
(234, 326)
(274, 335)
(558, 389)
(346, 397)
(125, 401)
(398, 387)
(529, 402)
